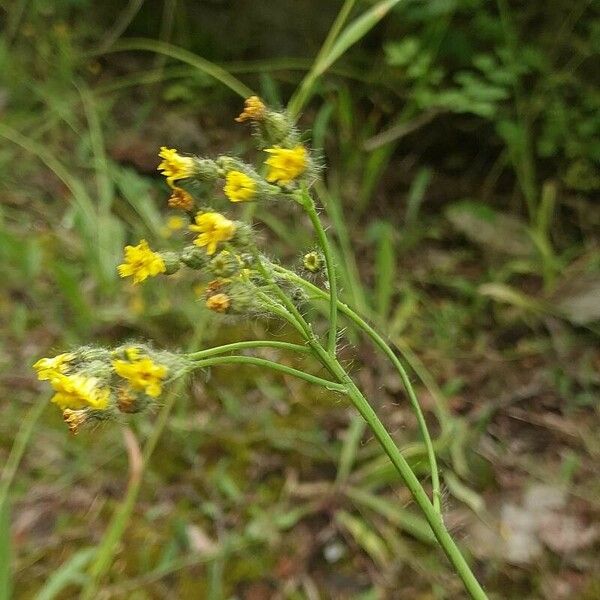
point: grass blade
(335, 49)
(5, 578)
(210, 68)
(69, 573)
(354, 434)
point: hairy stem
(263, 362)
(385, 348)
(310, 209)
(245, 345)
(412, 483)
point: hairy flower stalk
(238, 280)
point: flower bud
(194, 257)
(224, 264)
(171, 260)
(207, 169)
(243, 235)
(247, 259)
(277, 127)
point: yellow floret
(174, 166)
(47, 368)
(239, 187)
(79, 391)
(286, 164)
(213, 229)
(142, 374)
(141, 263)
(254, 110)
(219, 303)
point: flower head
(254, 110)
(75, 419)
(142, 374)
(173, 224)
(219, 302)
(239, 187)
(47, 368)
(181, 199)
(79, 391)
(286, 164)
(127, 400)
(225, 264)
(174, 166)
(313, 262)
(141, 262)
(213, 229)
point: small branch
(309, 206)
(385, 348)
(250, 344)
(262, 362)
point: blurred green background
(461, 140)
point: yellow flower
(132, 353)
(78, 391)
(47, 368)
(141, 262)
(239, 187)
(285, 164)
(219, 303)
(254, 110)
(181, 199)
(142, 374)
(173, 224)
(213, 228)
(174, 166)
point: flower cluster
(222, 248)
(93, 384)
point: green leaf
(354, 434)
(494, 231)
(71, 572)
(365, 537)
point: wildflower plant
(240, 279)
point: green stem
(249, 344)
(262, 362)
(412, 483)
(431, 511)
(309, 206)
(299, 320)
(385, 348)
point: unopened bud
(171, 261)
(224, 264)
(243, 235)
(194, 257)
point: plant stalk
(387, 350)
(309, 206)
